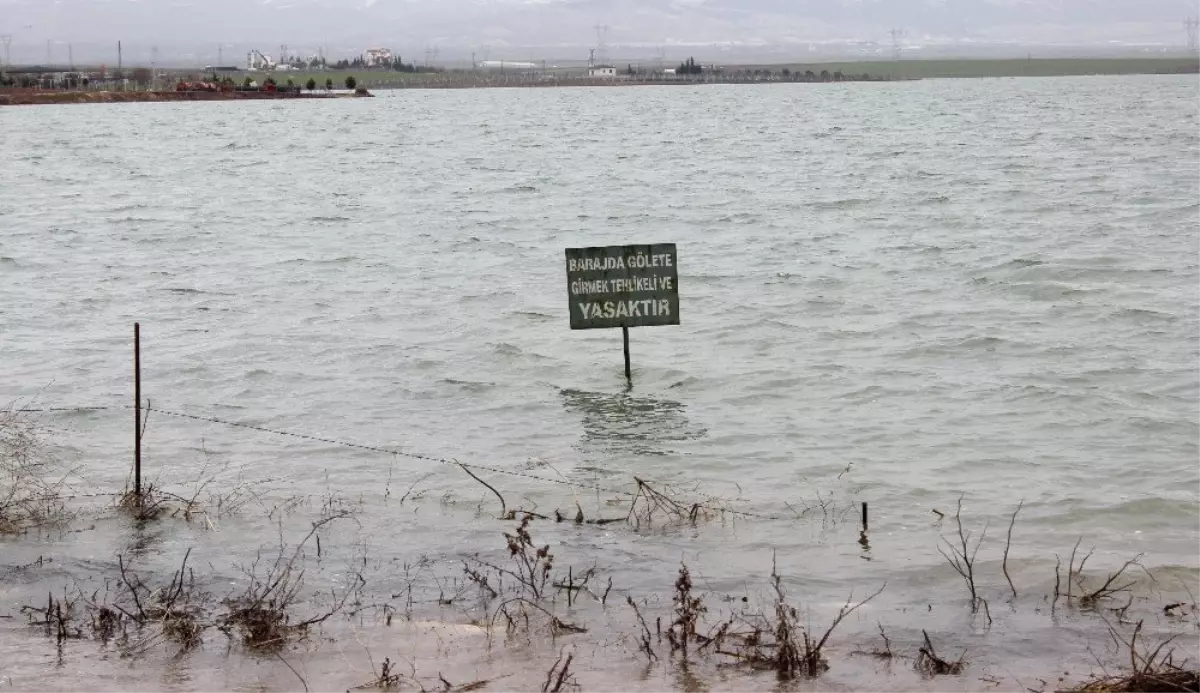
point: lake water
(898, 293)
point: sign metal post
(623, 286)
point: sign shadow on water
(624, 424)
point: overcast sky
(503, 28)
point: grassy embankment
(888, 69)
(1035, 67)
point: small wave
(8, 261)
(469, 385)
(741, 218)
(1051, 291)
(321, 219)
(507, 349)
(532, 314)
(188, 291)
(1141, 512)
(847, 203)
(139, 220)
(1142, 314)
(322, 261)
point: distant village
(381, 68)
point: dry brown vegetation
(32, 486)
(1076, 592)
(261, 614)
(1152, 668)
(773, 641)
(783, 644)
(930, 664)
(521, 590)
(138, 615)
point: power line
(897, 42)
(602, 42)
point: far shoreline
(789, 73)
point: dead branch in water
(572, 585)
(560, 677)
(1107, 590)
(533, 564)
(783, 645)
(479, 579)
(645, 630)
(261, 613)
(58, 618)
(31, 486)
(930, 664)
(557, 625)
(1149, 669)
(687, 612)
(655, 502)
(179, 609)
(886, 652)
(962, 556)
(503, 506)
(1008, 544)
(1088, 599)
(813, 659)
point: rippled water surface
(894, 293)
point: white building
(377, 57)
(257, 61)
(602, 72)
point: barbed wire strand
(438, 460)
(400, 453)
(42, 410)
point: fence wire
(396, 453)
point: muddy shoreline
(529, 596)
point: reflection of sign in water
(636, 425)
(623, 286)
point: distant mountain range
(523, 29)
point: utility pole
(1190, 26)
(70, 56)
(897, 40)
(6, 39)
(220, 54)
(602, 42)
(120, 61)
(49, 52)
